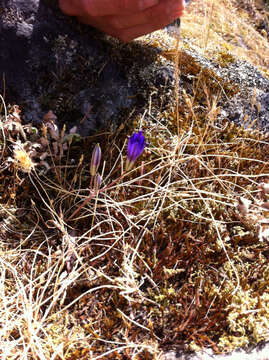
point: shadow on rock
(49, 61)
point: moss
(225, 59)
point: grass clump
(173, 252)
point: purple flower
(136, 145)
(96, 158)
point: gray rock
(253, 90)
(259, 352)
(50, 61)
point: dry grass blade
(173, 253)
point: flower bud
(97, 182)
(96, 158)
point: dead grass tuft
(171, 253)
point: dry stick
(176, 64)
(88, 199)
(86, 115)
(45, 135)
(2, 126)
(201, 70)
(74, 179)
(95, 193)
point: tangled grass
(172, 253)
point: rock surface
(260, 352)
(49, 61)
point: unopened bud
(96, 158)
(97, 182)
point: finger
(128, 34)
(164, 13)
(104, 7)
(70, 7)
(132, 33)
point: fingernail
(144, 4)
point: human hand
(124, 19)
